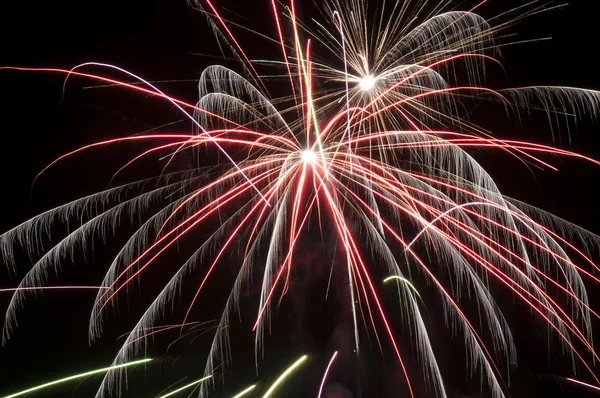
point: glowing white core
(366, 83)
(309, 156)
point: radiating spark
(78, 376)
(195, 383)
(283, 376)
(336, 15)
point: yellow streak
(185, 387)
(396, 277)
(77, 376)
(284, 375)
(247, 390)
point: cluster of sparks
(371, 143)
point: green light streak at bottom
(284, 375)
(78, 376)
(186, 386)
(246, 391)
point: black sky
(160, 40)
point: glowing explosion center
(309, 156)
(367, 83)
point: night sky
(163, 40)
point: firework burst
(369, 149)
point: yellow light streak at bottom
(284, 375)
(185, 387)
(78, 376)
(246, 391)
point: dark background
(157, 39)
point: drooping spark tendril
(14, 289)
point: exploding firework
(370, 153)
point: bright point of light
(366, 83)
(309, 156)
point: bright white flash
(309, 156)
(366, 83)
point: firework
(14, 289)
(370, 149)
